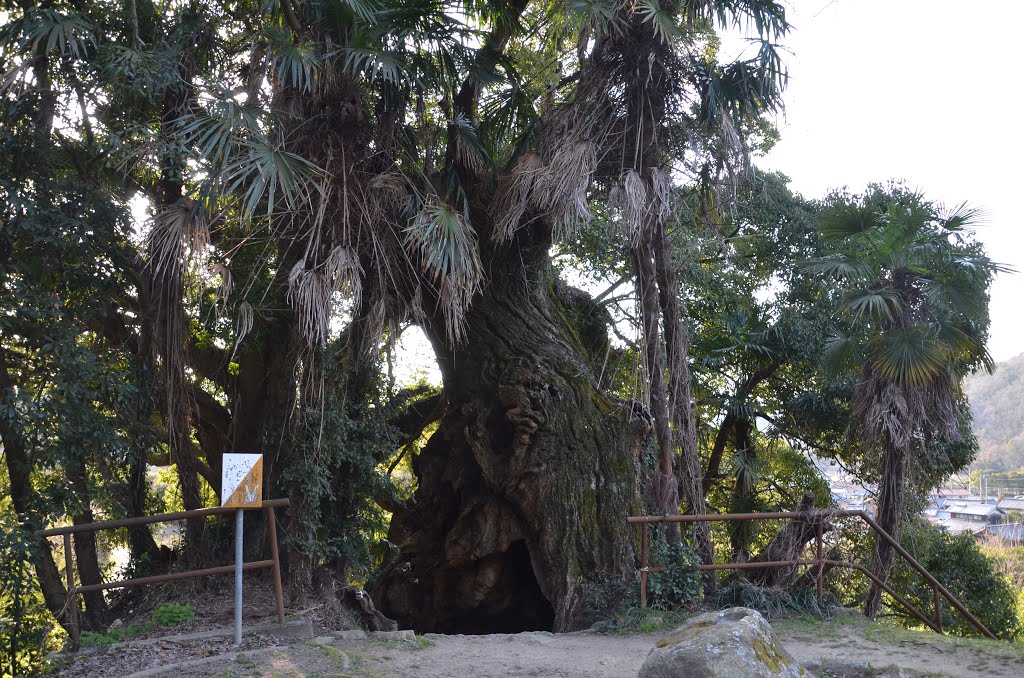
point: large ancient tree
(320, 172)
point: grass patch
(630, 620)
(167, 615)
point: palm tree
(915, 318)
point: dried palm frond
(514, 196)
(376, 321)
(243, 325)
(309, 293)
(226, 281)
(661, 194)
(342, 269)
(176, 231)
(469, 152)
(633, 205)
(389, 194)
(562, 192)
(416, 306)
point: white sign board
(241, 483)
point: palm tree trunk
(677, 345)
(665, 493)
(890, 511)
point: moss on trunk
(518, 521)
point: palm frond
(447, 248)
(576, 16)
(309, 293)
(845, 219)
(265, 172)
(297, 63)
(515, 195)
(838, 265)
(562, 191)
(767, 17)
(469, 152)
(878, 305)
(661, 194)
(51, 31)
(909, 356)
(629, 198)
(175, 232)
(661, 19)
(243, 325)
(372, 64)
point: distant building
(1008, 534)
(959, 525)
(1012, 505)
(976, 513)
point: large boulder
(733, 643)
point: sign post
(241, 487)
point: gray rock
(733, 643)
(350, 634)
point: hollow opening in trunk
(516, 604)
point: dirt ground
(837, 648)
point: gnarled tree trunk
(518, 521)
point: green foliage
(959, 563)
(172, 614)
(345, 445)
(26, 628)
(165, 616)
(680, 585)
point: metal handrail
(819, 516)
(68, 531)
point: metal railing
(68, 531)
(818, 518)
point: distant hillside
(997, 401)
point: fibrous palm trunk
(890, 508)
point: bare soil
(831, 649)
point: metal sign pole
(238, 576)
(241, 488)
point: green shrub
(959, 565)
(172, 614)
(680, 584)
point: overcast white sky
(928, 91)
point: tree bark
(788, 544)
(741, 532)
(518, 520)
(890, 507)
(87, 560)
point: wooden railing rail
(68, 531)
(819, 517)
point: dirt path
(838, 648)
(857, 643)
(493, 656)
